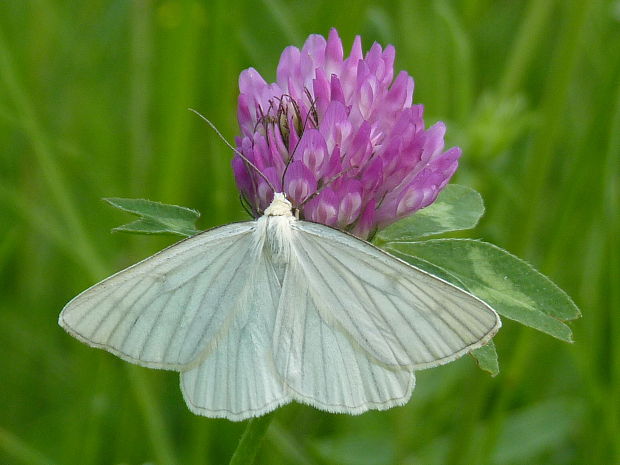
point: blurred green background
(93, 103)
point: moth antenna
(372, 235)
(318, 191)
(312, 111)
(242, 156)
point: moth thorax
(279, 206)
(278, 237)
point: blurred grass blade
(508, 284)
(526, 44)
(49, 166)
(8, 240)
(349, 448)
(545, 426)
(281, 439)
(462, 59)
(156, 217)
(141, 91)
(40, 220)
(155, 425)
(543, 152)
(611, 204)
(286, 21)
(179, 45)
(456, 208)
(251, 440)
(21, 451)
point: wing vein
(319, 275)
(241, 263)
(339, 264)
(104, 316)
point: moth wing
(322, 365)
(399, 314)
(238, 379)
(166, 310)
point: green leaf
(486, 358)
(508, 284)
(156, 218)
(456, 208)
(430, 268)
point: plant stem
(251, 440)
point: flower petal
(345, 126)
(312, 150)
(289, 69)
(350, 196)
(264, 192)
(299, 182)
(333, 53)
(243, 179)
(335, 127)
(323, 208)
(366, 221)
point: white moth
(257, 314)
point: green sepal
(456, 208)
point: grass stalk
(24, 453)
(51, 172)
(251, 440)
(512, 374)
(286, 21)
(526, 45)
(140, 92)
(52, 175)
(611, 204)
(541, 154)
(281, 439)
(181, 48)
(158, 433)
(463, 66)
